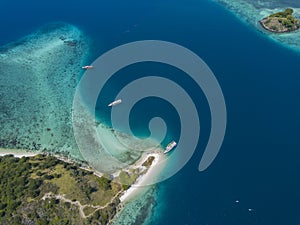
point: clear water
(252, 11)
(37, 86)
(258, 163)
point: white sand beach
(144, 180)
(17, 153)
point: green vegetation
(89, 210)
(25, 182)
(127, 179)
(149, 161)
(286, 13)
(281, 22)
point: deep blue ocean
(259, 162)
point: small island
(281, 22)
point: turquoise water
(38, 79)
(251, 12)
(259, 161)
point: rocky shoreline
(281, 22)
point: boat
(170, 147)
(87, 67)
(117, 102)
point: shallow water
(259, 161)
(38, 81)
(253, 11)
(38, 78)
(139, 208)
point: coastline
(19, 153)
(275, 31)
(44, 132)
(251, 14)
(271, 30)
(141, 185)
(142, 181)
(281, 22)
(33, 78)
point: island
(48, 189)
(281, 22)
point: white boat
(170, 146)
(87, 67)
(117, 102)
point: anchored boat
(117, 102)
(87, 67)
(170, 147)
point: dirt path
(78, 204)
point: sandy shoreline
(140, 184)
(17, 153)
(143, 180)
